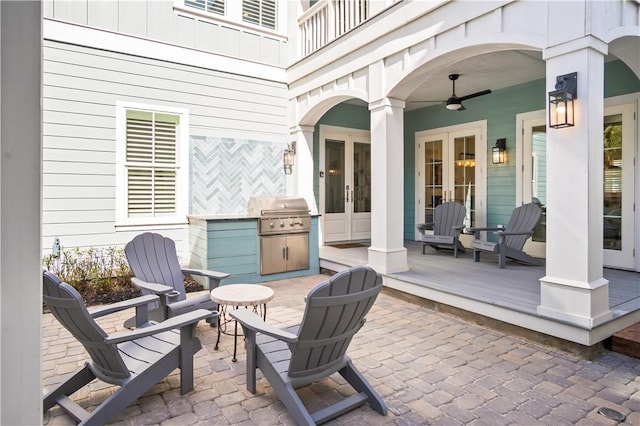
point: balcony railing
(328, 20)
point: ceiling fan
(454, 102)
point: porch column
(20, 212)
(387, 253)
(302, 176)
(574, 289)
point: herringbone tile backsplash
(226, 172)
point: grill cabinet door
(272, 254)
(297, 252)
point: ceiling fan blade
(462, 108)
(474, 95)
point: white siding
(80, 89)
(157, 20)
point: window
(210, 6)
(260, 12)
(150, 176)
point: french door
(619, 222)
(619, 187)
(345, 186)
(450, 167)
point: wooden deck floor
(516, 287)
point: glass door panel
(433, 177)
(613, 185)
(334, 182)
(539, 179)
(361, 177)
(465, 175)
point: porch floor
(511, 294)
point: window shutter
(151, 164)
(260, 12)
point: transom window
(151, 179)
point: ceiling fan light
(453, 106)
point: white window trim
(182, 172)
(233, 18)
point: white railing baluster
(327, 20)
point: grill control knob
(271, 225)
(281, 224)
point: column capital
(301, 129)
(386, 102)
(587, 42)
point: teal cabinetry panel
(233, 246)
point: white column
(387, 253)
(302, 176)
(20, 212)
(574, 289)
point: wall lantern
(287, 158)
(499, 152)
(561, 101)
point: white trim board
(132, 45)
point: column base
(388, 261)
(583, 304)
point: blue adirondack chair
(135, 361)
(315, 349)
(511, 238)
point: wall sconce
(499, 152)
(287, 158)
(466, 160)
(561, 101)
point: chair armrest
(205, 273)
(476, 231)
(168, 324)
(421, 227)
(151, 287)
(254, 322)
(513, 233)
(125, 304)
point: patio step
(627, 341)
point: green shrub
(101, 275)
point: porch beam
(387, 253)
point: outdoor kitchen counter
(230, 243)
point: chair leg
(71, 385)
(476, 255)
(353, 376)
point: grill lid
(278, 205)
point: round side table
(235, 295)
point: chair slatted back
(523, 219)
(446, 216)
(67, 306)
(152, 258)
(334, 312)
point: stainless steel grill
(283, 226)
(280, 215)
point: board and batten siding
(81, 87)
(158, 20)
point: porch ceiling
(496, 70)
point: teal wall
(498, 108)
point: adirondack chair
(156, 269)
(315, 349)
(135, 360)
(447, 224)
(511, 239)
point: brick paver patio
(429, 367)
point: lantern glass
(499, 155)
(561, 109)
(288, 161)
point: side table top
(242, 294)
